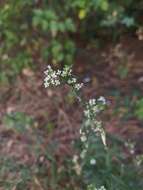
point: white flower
(57, 82)
(49, 67)
(87, 113)
(83, 138)
(102, 99)
(66, 72)
(92, 161)
(83, 153)
(78, 86)
(75, 158)
(102, 188)
(46, 84)
(92, 102)
(52, 77)
(91, 187)
(59, 72)
(72, 80)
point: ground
(115, 72)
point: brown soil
(101, 69)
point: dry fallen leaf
(27, 72)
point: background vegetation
(102, 41)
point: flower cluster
(101, 188)
(52, 77)
(55, 78)
(91, 126)
(92, 161)
(92, 187)
(77, 166)
(102, 100)
(85, 137)
(90, 129)
(72, 81)
(93, 107)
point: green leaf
(128, 21)
(104, 5)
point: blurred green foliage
(112, 168)
(18, 122)
(139, 109)
(33, 31)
